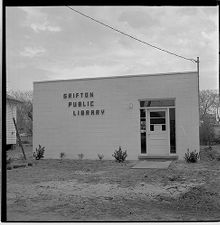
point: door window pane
(157, 114)
(151, 127)
(172, 131)
(158, 121)
(163, 127)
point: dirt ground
(93, 190)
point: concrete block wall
(58, 130)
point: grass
(80, 190)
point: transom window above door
(157, 103)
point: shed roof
(12, 99)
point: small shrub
(62, 155)
(100, 156)
(120, 155)
(81, 156)
(39, 153)
(191, 157)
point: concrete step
(150, 164)
(158, 158)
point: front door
(157, 132)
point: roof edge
(113, 77)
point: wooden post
(197, 61)
(19, 139)
(198, 77)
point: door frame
(168, 116)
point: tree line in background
(209, 117)
(209, 114)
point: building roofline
(113, 77)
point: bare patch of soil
(89, 190)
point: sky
(52, 43)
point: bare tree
(24, 110)
(209, 105)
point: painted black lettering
(77, 95)
(74, 104)
(79, 104)
(102, 111)
(69, 104)
(91, 103)
(87, 112)
(74, 113)
(91, 94)
(81, 95)
(64, 96)
(86, 95)
(70, 95)
(84, 104)
(97, 112)
(92, 112)
(82, 112)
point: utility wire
(128, 35)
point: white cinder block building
(148, 115)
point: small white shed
(11, 111)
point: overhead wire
(128, 35)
